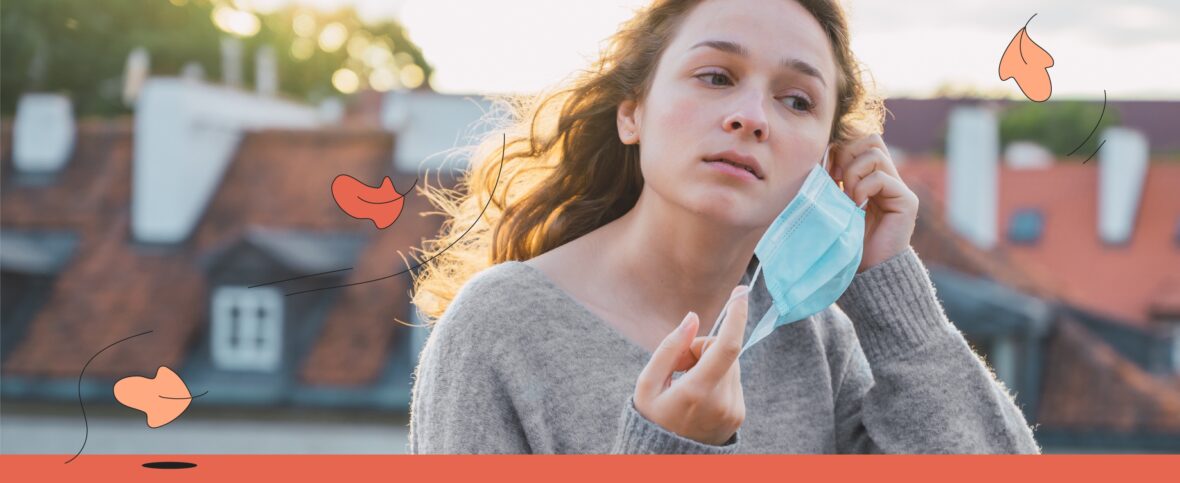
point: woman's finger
(700, 345)
(665, 358)
(731, 380)
(844, 154)
(885, 190)
(722, 354)
(690, 357)
(875, 159)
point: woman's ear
(628, 121)
(830, 161)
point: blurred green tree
(80, 47)
(1059, 126)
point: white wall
(186, 134)
(973, 142)
(1122, 170)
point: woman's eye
(800, 104)
(714, 75)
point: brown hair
(565, 171)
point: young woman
(644, 192)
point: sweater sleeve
(639, 435)
(912, 384)
(459, 404)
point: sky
(912, 48)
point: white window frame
(259, 341)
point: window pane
(246, 330)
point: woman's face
(755, 77)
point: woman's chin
(725, 207)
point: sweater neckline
(588, 317)
(585, 315)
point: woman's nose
(750, 119)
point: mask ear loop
(725, 309)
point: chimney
(231, 61)
(186, 136)
(43, 133)
(972, 173)
(135, 73)
(266, 73)
(1122, 170)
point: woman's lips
(732, 170)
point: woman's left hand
(868, 172)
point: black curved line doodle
(1092, 131)
(299, 277)
(485, 208)
(85, 422)
(403, 195)
(1095, 151)
(1020, 45)
(190, 397)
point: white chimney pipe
(231, 61)
(135, 73)
(1122, 170)
(266, 71)
(972, 176)
(186, 135)
(43, 133)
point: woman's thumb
(663, 360)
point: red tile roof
(111, 289)
(939, 244)
(1122, 282)
(297, 167)
(115, 288)
(1089, 385)
(1086, 383)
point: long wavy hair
(564, 170)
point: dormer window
(247, 328)
(1026, 226)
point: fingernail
(739, 291)
(685, 323)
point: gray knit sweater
(516, 365)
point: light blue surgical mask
(810, 252)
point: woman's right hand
(705, 404)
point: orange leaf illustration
(1029, 64)
(163, 398)
(382, 205)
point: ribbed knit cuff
(893, 307)
(639, 435)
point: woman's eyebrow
(738, 49)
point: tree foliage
(80, 47)
(1060, 126)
